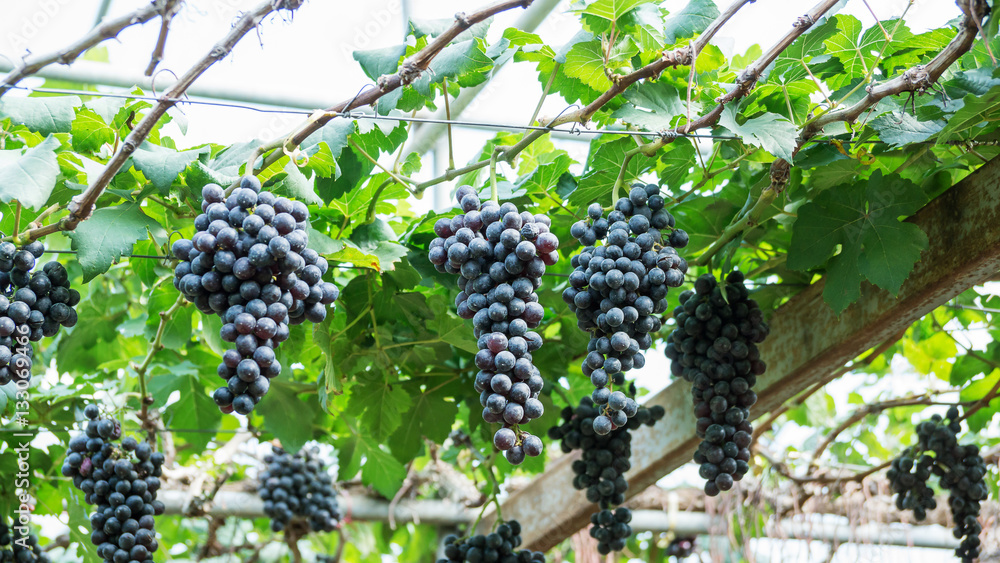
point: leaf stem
(545, 92)
(748, 220)
(399, 179)
(370, 216)
(17, 217)
(155, 346)
(494, 195)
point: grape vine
(500, 255)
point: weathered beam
(808, 342)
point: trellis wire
(575, 130)
(43, 430)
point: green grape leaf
(612, 10)
(200, 174)
(692, 19)
(101, 240)
(976, 391)
(380, 407)
(194, 408)
(30, 176)
(863, 219)
(90, 131)
(51, 114)
(794, 62)
(287, 416)
(597, 183)
(857, 51)
(161, 165)
(466, 62)
(381, 256)
(977, 109)
(430, 416)
(296, 185)
(652, 106)
(79, 524)
(902, 129)
(379, 470)
(380, 62)
(769, 131)
(585, 61)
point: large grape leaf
(466, 62)
(194, 408)
(585, 61)
(380, 407)
(793, 63)
(612, 9)
(692, 19)
(380, 62)
(289, 418)
(903, 129)
(769, 131)
(864, 220)
(29, 177)
(976, 391)
(162, 165)
(653, 106)
(110, 233)
(51, 114)
(430, 416)
(977, 110)
(859, 51)
(597, 183)
(379, 470)
(90, 131)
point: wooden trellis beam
(808, 342)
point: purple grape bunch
(34, 303)
(500, 255)
(619, 288)
(249, 263)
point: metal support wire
(574, 130)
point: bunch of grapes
(681, 548)
(249, 264)
(601, 469)
(297, 489)
(16, 547)
(501, 255)
(500, 545)
(715, 348)
(121, 480)
(32, 305)
(959, 468)
(618, 288)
